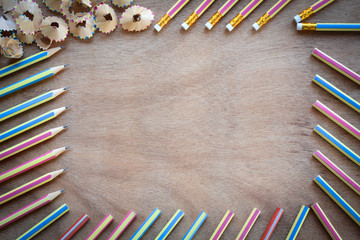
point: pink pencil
(325, 222)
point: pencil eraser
(299, 26)
(157, 27)
(208, 25)
(297, 18)
(256, 26)
(185, 26)
(229, 27)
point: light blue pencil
(146, 224)
(195, 226)
(170, 225)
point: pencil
(122, 226)
(334, 27)
(146, 224)
(28, 61)
(31, 164)
(272, 224)
(75, 227)
(220, 229)
(299, 220)
(338, 199)
(248, 224)
(29, 208)
(312, 9)
(30, 142)
(31, 123)
(31, 80)
(55, 215)
(337, 144)
(170, 225)
(170, 14)
(195, 226)
(337, 171)
(22, 107)
(325, 222)
(220, 13)
(100, 227)
(30, 186)
(243, 14)
(197, 13)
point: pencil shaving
(54, 28)
(70, 15)
(86, 3)
(136, 18)
(25, 38)
(42, 42)
(122, 3)
(11, 48)
(53, 5)
(105, 18)
(83, 30)
(7, 5)
(7, 23)
(28, 16)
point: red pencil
(272, 224)
(75, 227)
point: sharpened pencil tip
(66, 126)
(67, 147)
(65, 169)
(66, 88)
(68, 106)
(62, 190)
(66, 65)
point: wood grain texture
(198, 121)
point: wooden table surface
(198, 121)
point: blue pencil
(344, 27)
(195, 226)
(170, 225)
(298, 223)
(146, 225)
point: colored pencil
(222, 225)
(299, 220)
(337, 119)
(248, 224)
(29, 208)
(338, 199)
(272, 224)
(337, 93)
(325, 222)
(28, 61)
(197, 13)
(170, 225)
(337, 144)
(22, 107)
(30, 186)
(270, 14)
(333, 27)
(146, 224)
(220, 13)
(122, 226)
(75, 227)
(337, 65)
(170, 14)
(195, 226)
(55, 215)
(243, 14)
(337, 171)
(31, 80)
(31, 123)
(312, 9)
(95, 233)
(30, 142)
(31, 164)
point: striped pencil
(30, 142)
(170, 14)
(170, 225)
(325, 222)
(197, 13)
(22, 107)
(270, 14)
(337, 93)
(338, 199)
(30, 186)
(75, 227)
(195, 226)
(243, 14)
(299, 220)
(337, 144)
(31, 80)
(248, 224)
(334, 27)
(95, 233)
(222, 225)
(31, 123)
(337, 171)
(336, 65)
(28, 61)
(29, 208)
(312, 9)
(146, 224)
(31, 164)
(272, 224)
(220, 13)
(55, 215)
(337, 119)
(122, 226)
